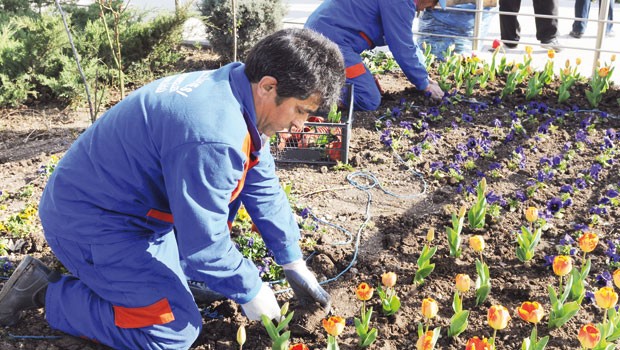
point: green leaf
(369, 339)
(458, 323)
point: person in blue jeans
(582, 10)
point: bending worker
(158, 179)
(358, 25)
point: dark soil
(391, 224)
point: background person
(546, 28)
(178, 155)
(582, 10)
(358, 25)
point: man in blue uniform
(358, 25)
(157, 180)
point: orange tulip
(425, 342)
(477, 243)
(334, 325)
(531, 214)
(588, 241)
(551, 53)
(498, 317)
(562, 265)
(603, 72)
(606, 297)
(476, 343)
(299, 347)
(463, 282)
(531, 312)
(617, 278)
(364, 291)
(429, 308)
(389, 279)
(589, 336)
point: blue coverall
(178, 154)
(358, 25)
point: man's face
(272, 117)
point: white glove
(434, 89)
(264, 303)
(305, 285)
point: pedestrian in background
(582, 10)
(546, 28)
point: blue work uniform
(358, 25)
(157, 179)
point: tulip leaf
(458, 323)
(369, 339)
(542, 343)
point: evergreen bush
(255, 19)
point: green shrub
(255, 19)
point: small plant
(477, 212)
(454, 233)
(568, 77)
(458, 322)
(279, 341)
(333, 326)
(483, 282)
(389, 300)
(532, 312)
(362, 325)
(252, 246)
(424, 265)
(599, 83)
(561, 311)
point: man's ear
(267, 85)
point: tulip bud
(463, 282)
(477, 243)
(562, 265)
(498, 317)
(613, 57)
(589, 336)
(389, 279)
(531, 312)
(567, 64)
(603, 71)
(531, 214)
(364, 291)
(588, 241)
(462, 211)
(617, 278)
(578, 61)
(429, 308)
(551, 53)
(528, 50)
(430, 235)
(606, 297)
(284, 309)
(241, 335)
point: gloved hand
(305, 284)
(264, 303)
(434, 89)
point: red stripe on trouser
(138, 317)
(355, 70)
(160, 215)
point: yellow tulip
(588, 241)
(613, 57)
(463, 282)
(551, 53)
(389, 279)
(498, 317)
(430, 235)
(562, 265)
(578, 61)
(589, 336)
(477, 243)
(528, 50)
(567, 64)
(531, 214)
(429, 308)
(606, 297)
